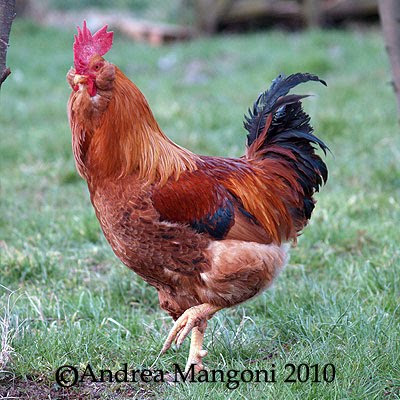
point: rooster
(206, 232)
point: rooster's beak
(79, 79)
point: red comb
(86, 45)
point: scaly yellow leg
(196, 353)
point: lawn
(66, 299)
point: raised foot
(193, 317)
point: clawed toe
(182, 327)
(194, 319)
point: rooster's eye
(96, 67)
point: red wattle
(91, 88)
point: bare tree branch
(7, 15)
(389, 11)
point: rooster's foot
(196, 316)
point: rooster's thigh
(240, 270)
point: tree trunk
(389, 11)
(7, 14)
(312, 13)
(208, 13)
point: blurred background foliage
(161, 21)
(214, 15)
(173, 11)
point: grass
(66, 299)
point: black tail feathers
(279, 128)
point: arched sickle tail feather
(278, 128)
(268, 102)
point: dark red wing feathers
(199, 200)
(233, 198)
(191, 197)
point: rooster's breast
(168, 256)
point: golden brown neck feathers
(126, 139)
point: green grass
(72, 302)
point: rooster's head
(88, 61)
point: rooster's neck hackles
(129, 139)
(123, 137)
